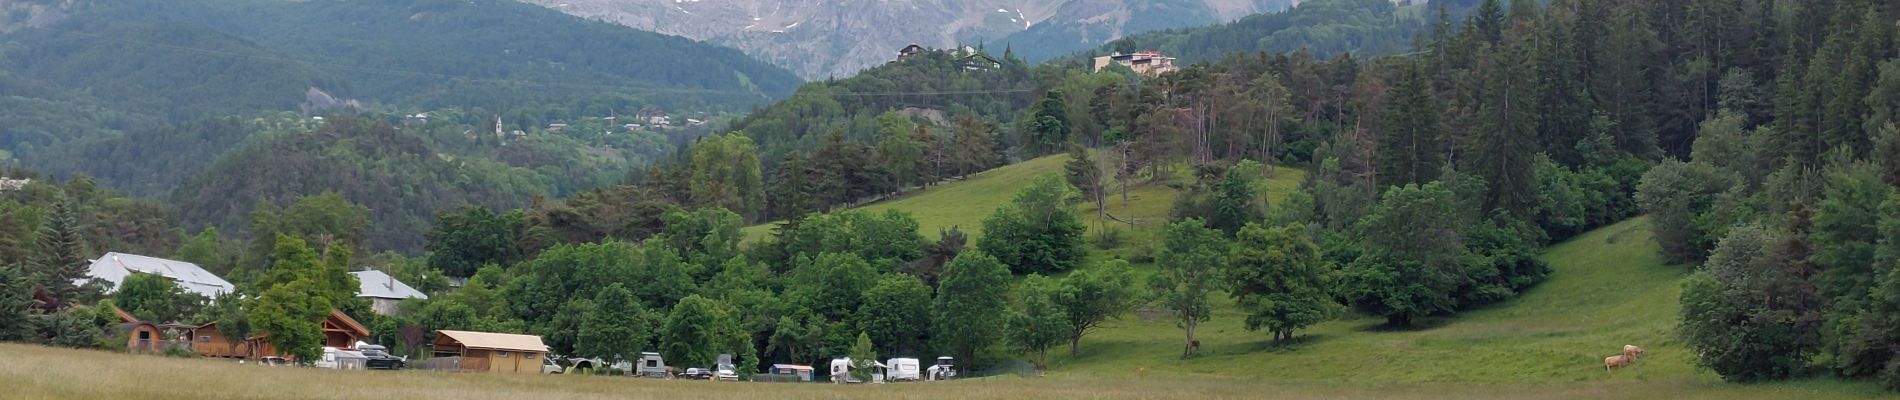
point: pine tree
(1410, 151)
(1050, 124)
(1865, 43)
(1523, 12)
(62, 260)
(1622, 81)
(863, 356)
(1506, 146)
(1565, 106)
(1795, 139)
(16, 303)
(1490, 20)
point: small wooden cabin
(488, 352)
(208, 342)
(140, 336)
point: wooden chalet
(339, 331)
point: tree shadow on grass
(1418, 325)
(1298, 342)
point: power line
(937, 93)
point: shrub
(1108, 239)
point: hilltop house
(977, 61)
(114, 267)
(1147, 63)
(384, 292)
(907, 51)
(13, 184)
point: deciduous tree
(1279, 278)
(1092, 296)
(896, 312)
(969, 312)
(618, 328)
(1039, 323)
(1038, 231)
(1189, 263)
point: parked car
(549, 367)
(273, 361)
(379, 358)
(696, 374)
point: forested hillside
(104, 72)
(451, 53)
(218, 104)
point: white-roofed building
(114, 267)
(384, 292)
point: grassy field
(34, 372)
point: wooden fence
(442, 364)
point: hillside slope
(1607, 288)
(965, 203)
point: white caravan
(904, 369)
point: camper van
(904, 369)
(652, 366)
(841, 371)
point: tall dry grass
(33, 372)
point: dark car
(379, 358)
(697, 373)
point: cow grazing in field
(1617, 361)
(1632, 351)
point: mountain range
(820, 39)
